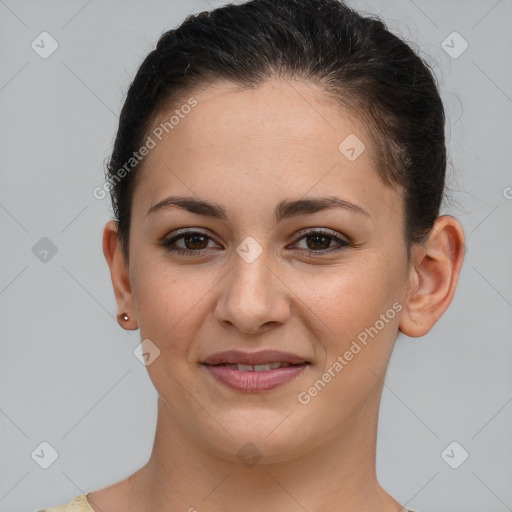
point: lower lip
(255, 381)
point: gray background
(68, 373)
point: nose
(253, 296)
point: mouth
(255, 361)
(259, 367)
(255, 372)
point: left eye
(319, 239)
(197, 241)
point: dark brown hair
(356, 60)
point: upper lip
(252, 358)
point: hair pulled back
(373, 74)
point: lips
(257, 378)
(262, 357)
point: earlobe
(119, 275)
(435, 270)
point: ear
(435, 269)
(120, 276)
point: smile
(255, 378)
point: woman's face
(246, 281)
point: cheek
(358, 308)
(352, 302)
(170, 303)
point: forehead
(229, 114)
(281, 138)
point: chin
(257, 442)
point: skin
(249, 150)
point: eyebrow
(284, 210)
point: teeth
(261, 367)
(265, 367)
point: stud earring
(124, 317)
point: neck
(337, 473)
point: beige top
(80, 504)
(77, 504)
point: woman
(276, 180)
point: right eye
(194, 242)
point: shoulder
(77, 504)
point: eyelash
(167, 244)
